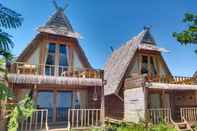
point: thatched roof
(118, 63)
(164, 86)
(195, 74)
(58, 24)
(66, 81)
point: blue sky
(105, 23)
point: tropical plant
(136, 127)
(9, 19)
(21, 111)
(189, 35)
(162, 127)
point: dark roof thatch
(58, 24)
(118, 63)
(195, 74)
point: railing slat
(158, 115)
(84, 118)
(190, 113)
(41, 120)
(32, 122)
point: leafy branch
(189, 35)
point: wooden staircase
(182, 126)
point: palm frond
(5, 42)
(9, 18)
(5, 93)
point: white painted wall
(77, 63)
(34, 58)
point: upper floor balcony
(172, 79)
(160, 81)
(53, 70)
(21, 72)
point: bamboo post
(102, 113)
(69, 124)
(46, 122)
(41, 119)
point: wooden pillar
(54, 105)
(145, 103)
(102, 114)
(43, 52)
(70, 55)
(163, 99)
(35, 93)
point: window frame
(155, 59)
(57, 56)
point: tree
(9, 19)
(189, 35)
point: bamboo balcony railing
(76, 119)
(189, 114)
(172, 79)
(158, 115)
(53, 70)
(38, 121)
(84, 118)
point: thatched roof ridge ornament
(58, 7)
(58, 23)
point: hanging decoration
(77, 97)
(95, 95)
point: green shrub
(136, 127)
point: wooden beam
(102, 114)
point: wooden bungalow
(55, 72)
(141, 87)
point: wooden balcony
(22, 73)
(172, 79)
(53, 70)
(138, 80)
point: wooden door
(154, 101)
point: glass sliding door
(45, 101)
(57, 104)
(64, 102)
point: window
(56, 60)
(153, 67)
(63, 62)
(144, 68)
(149, 65)
(50, 61)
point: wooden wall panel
(134, 104)
(114, 107)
